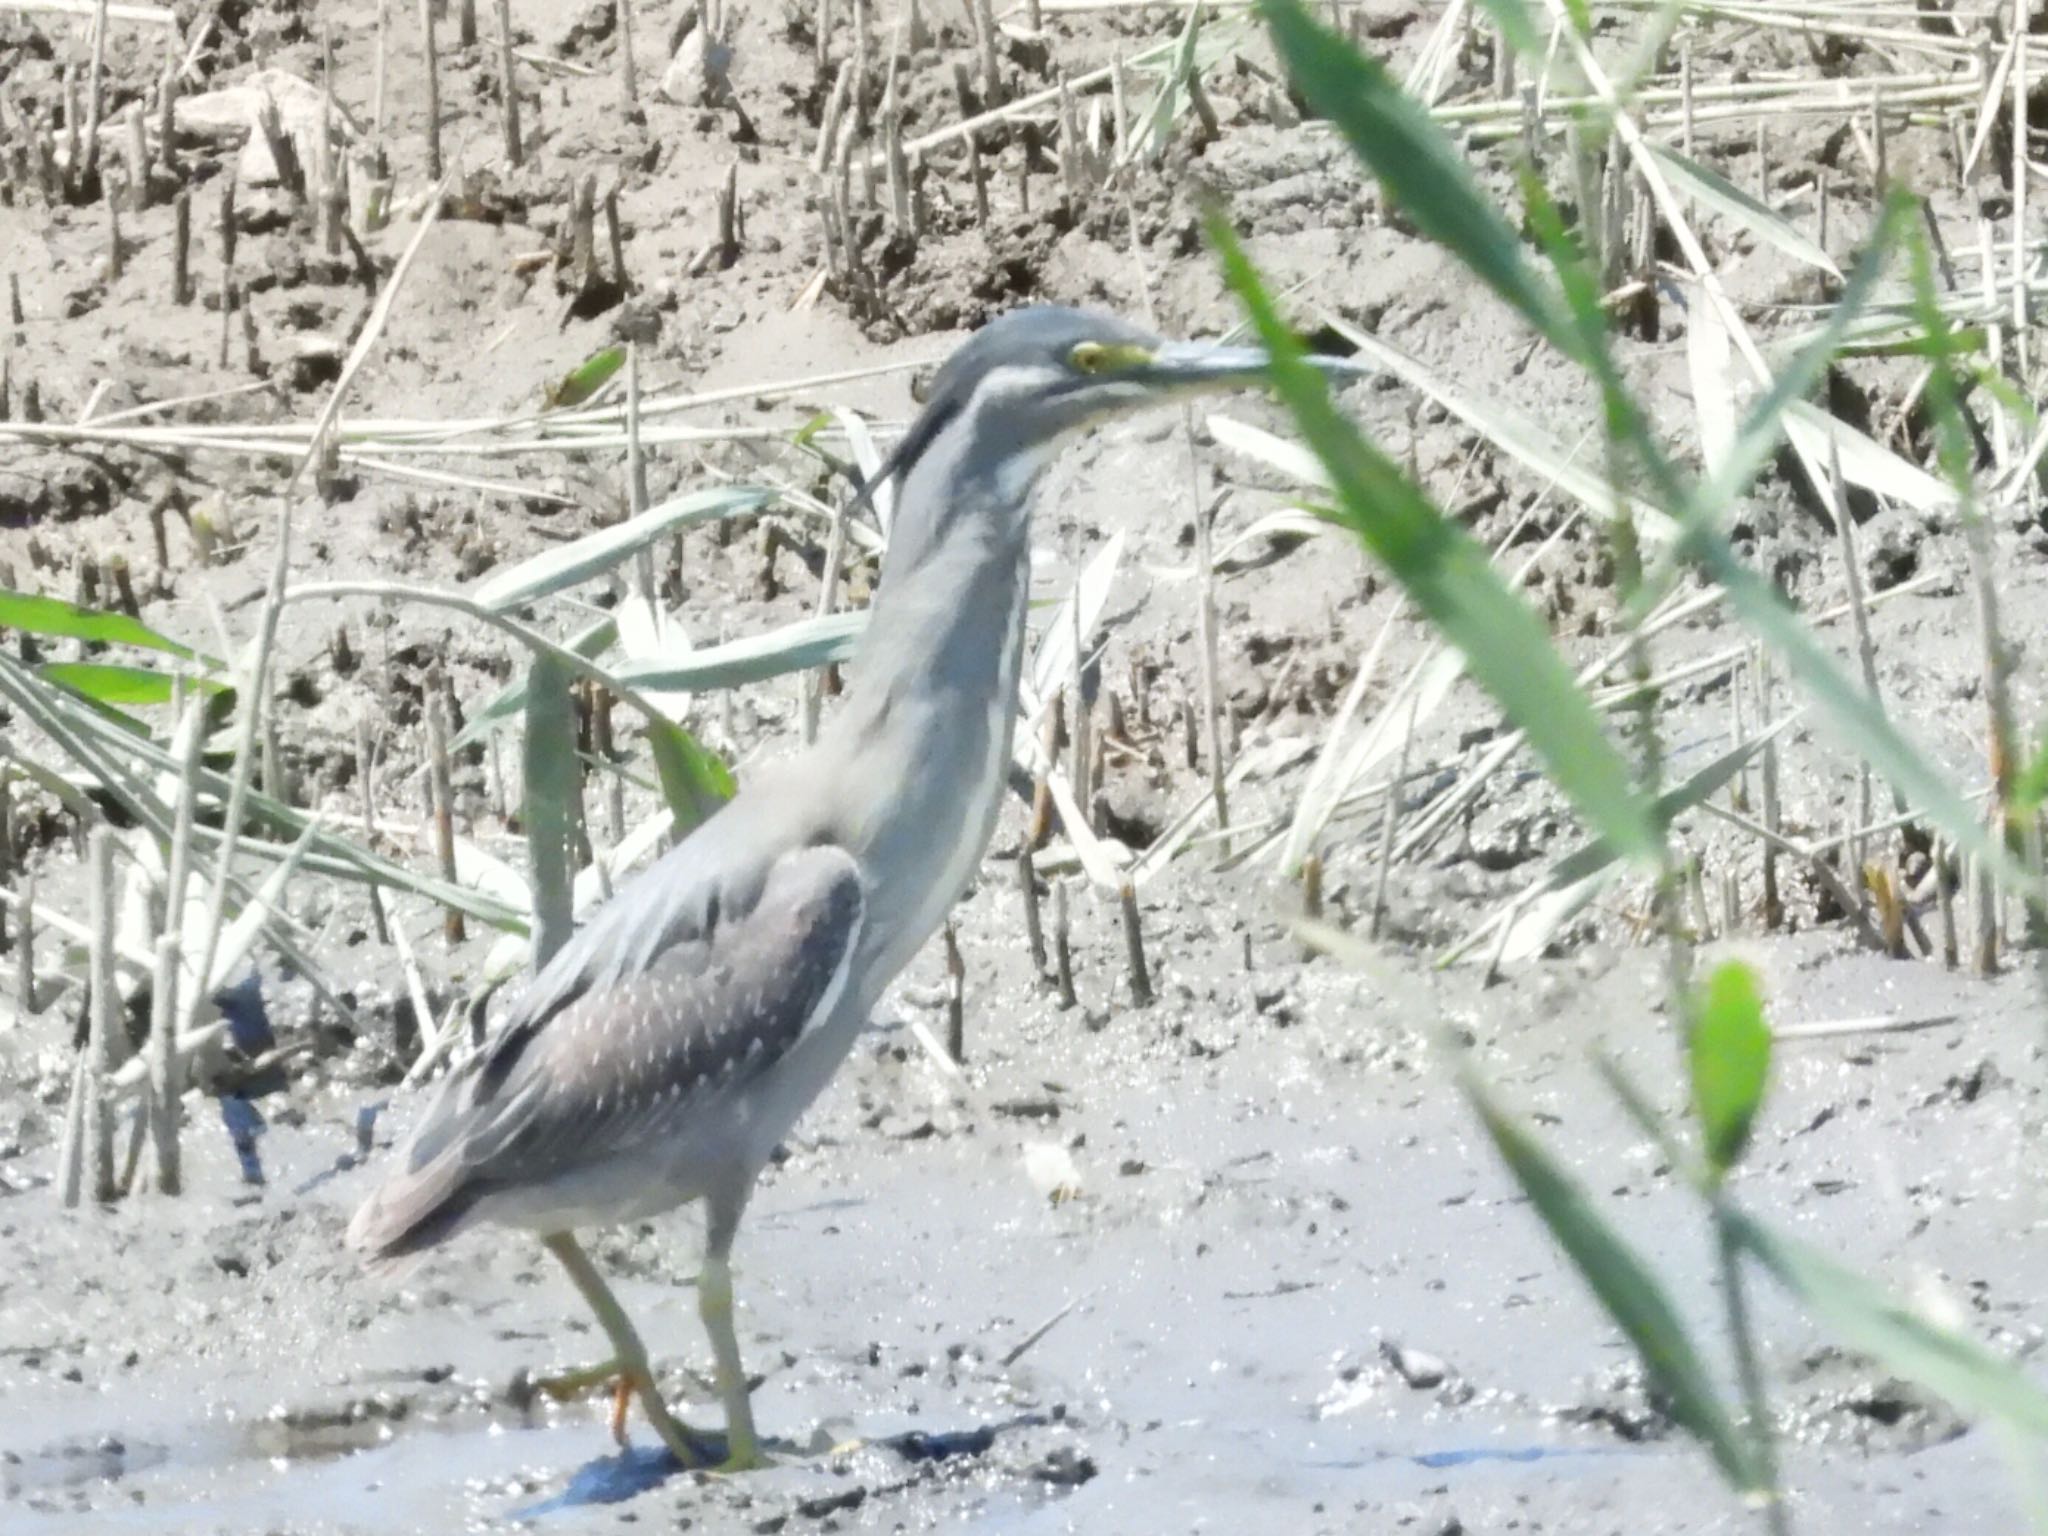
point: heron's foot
(693, 1448)
(566, 1385)
(755, 1460)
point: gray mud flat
(1239, 1263)
(1292, 1291)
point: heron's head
(1024, 381)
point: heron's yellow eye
(1102, 357)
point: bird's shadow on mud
(634, 1470)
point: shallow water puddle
(633, 1471)
(374, 1462)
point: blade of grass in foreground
(1450, 579)
(112, 683)
(68, 621)
(694, 780)
(549, 769)
(1626, 1287)
(1866, 1318)
(597, 553)
(1414, 160)
(585, 379)
(1729, 1053)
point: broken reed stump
(508, 89)
(181, 248)
(434, 168)
(452, 927)
(26, 1002)
(104, 1021)
(1311, 897)
(956, 999)
(629, 73)
(363, 782)
(1034, 931)
(1062, 946)
(1134, 947)
(166, 1079)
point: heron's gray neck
(916, 761)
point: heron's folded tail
(412, 1211)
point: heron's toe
(752, 1460)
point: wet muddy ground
(1238, 1260)
(1278, 1278)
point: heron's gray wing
(758, 965)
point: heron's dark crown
(1043, 335)
(1040, 337)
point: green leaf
(1943, 395)
(1504, 427)
(1724, 197)
(589, 642)
(1415, 163)
(1626, 1287)
(585, 379)
(795, 646)
(553, 782)
(1173, 93)
(1730, 1056)
(1867, 1318)
(595, 554)
(53, 616)
(694, 780)
(1764, 428)
(2030, 784)
(123, 686)
(124, 763)
(1569, 883)
(1518, 24)
(1451, 580)
(1850, 713)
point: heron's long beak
(1197, 365)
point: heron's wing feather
(744, 975)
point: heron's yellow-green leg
(630, 1362)
(714, 1304)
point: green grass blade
(68, 621)
(2030, 784)
(1865, 1317)
(590, 642)
(1508, 430)
(694, 780)
(123, 762)
(1853, 716)
(1729, 1054)
(552, 784)
(1518, 24)
(1764, 427)
(1173, 96)
(585, 379)
(805, 643)
(597, 553)
(1729, 200)
(1414, 161)
(1626, 1287)
(1451, 580)
(121, 686)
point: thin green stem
(1756, 1405)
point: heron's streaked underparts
(662, 1054)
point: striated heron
(662, 1054)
